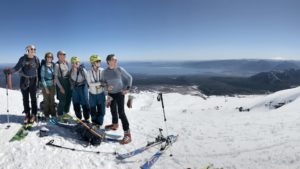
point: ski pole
(51, 143)
(7, 101)
(160, 98)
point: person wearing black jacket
(27, 67)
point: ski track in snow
(211, 131)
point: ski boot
(112, 127)
(127, 138)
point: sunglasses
(76, 63)
(33, 49)
(98, 61)
(50, 57)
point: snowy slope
(275, 99)
(211, 131)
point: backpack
(87, 135)
(42, 105)
(80, 70)
(43, 62)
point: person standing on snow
(63, 86)
(79, 85)
(119, 82)
(28, 66)
(96, 91)
(48, 85)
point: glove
(129, 102)
(109, 87)
(103, 83)
(7, 71)
(98, 87)
(108, 101)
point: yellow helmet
(75, 59)
(95, 58)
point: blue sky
(152, 29)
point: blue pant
(64, 99)
(80, 99)
(97, 105)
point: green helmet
(95, 58)
(75, 59)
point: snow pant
(64, 99)
(97, 105)
(80, 99)
(29, 87)
(117, 110)
(49, 103)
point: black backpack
(43, 62)
(87, 135)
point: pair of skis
(165, 142)
(24, 129)
(21, 133)
(149, 163)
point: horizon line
(188, 60)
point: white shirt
(94, 79)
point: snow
(211, 131)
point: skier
(63, 86)
(28, 66)
(96, 91)
(119, 82)
(48, 85)
(80, 89)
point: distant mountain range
(219, 77)
(260, 83)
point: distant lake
(157, 68)
(161, 68)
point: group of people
(89, 90)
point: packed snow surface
(211, 131)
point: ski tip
(119, 156)
(28, 126)
(53, 121)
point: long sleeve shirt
(27, 67)
(94, 79)
(118, 78)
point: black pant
(117, 109)
(29, 87)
